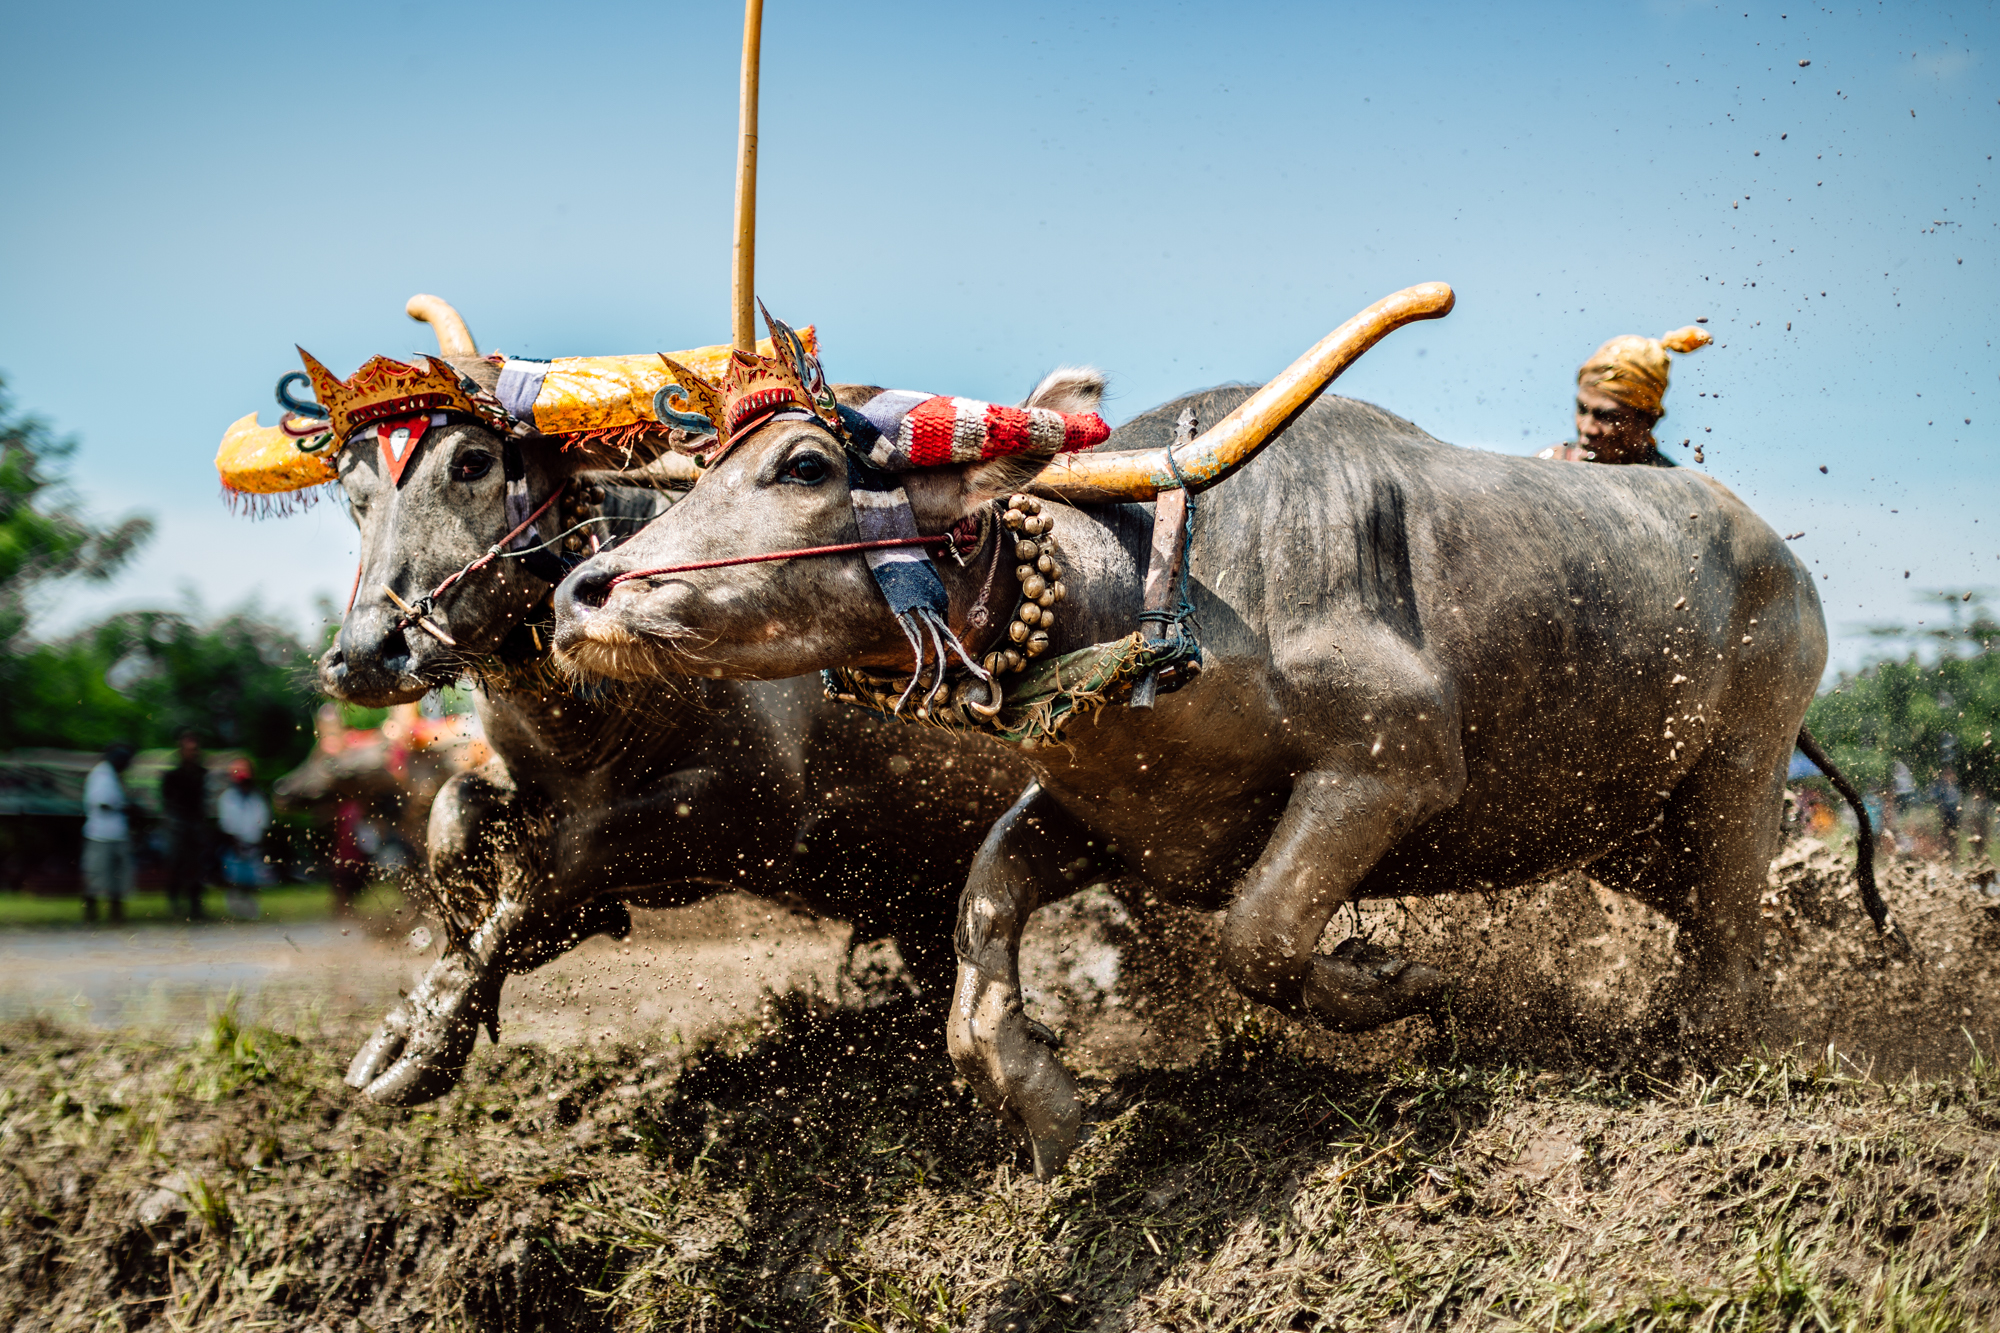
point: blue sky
(961, 197)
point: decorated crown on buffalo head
(383, 388)
(897, 430)
(751, 390)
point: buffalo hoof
(1011, 1063)
(1361, 986)
(419, 1052)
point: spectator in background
(184, 799)
(107, 835)
(350, 856)
(244, 815)
(1620, 396)
(1978, 820)
(1949, 801)
(1905, 784)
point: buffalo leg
(422, 1044)
(420, 1048)
(1036, 853)
(1718, 838)
(1334, 829)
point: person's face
(190, 748)
(1614, 432)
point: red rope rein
(493, 551)
(889, 543)
(418, 613)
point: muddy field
(716, 1126)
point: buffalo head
(785, 487)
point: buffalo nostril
(395, 652)
(590, 587)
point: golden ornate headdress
(601, 398)
(383, 388)
(750, 391)
(1634, 369)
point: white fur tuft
(1069, 389)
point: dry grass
(821, 1168)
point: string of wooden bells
(580, 506)
(1039, 575)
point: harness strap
(421, 608)
(496, 548)
(843, 548)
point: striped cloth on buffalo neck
(901, 431)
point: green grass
(282, 903)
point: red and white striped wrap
(942, 430)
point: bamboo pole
(743, 286)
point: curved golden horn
(454, 339)
(1141, 474)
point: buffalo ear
(980, 482)
(854, 395)
(478, 369)
(1069, 389)
(940, 496)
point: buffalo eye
(471, 467)
(806, 470)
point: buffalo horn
(454, 339)
(1141, 474)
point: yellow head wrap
(1633, 369)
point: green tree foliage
(42, 536)
(142, 676)
(1926, 714)
(139, 676)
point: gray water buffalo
(1428, 670)
(653, 794)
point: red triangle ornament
(399, 437)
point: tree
(42, 536)
(1926, 714)
(143, 676)
(139, 676)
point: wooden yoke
(1165, 568)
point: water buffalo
(653, 794)
(1428, 670)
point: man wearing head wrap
(1620, 396)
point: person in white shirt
(243, 815)
(107, 835)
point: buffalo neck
(1102, 551)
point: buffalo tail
(1864, 842)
